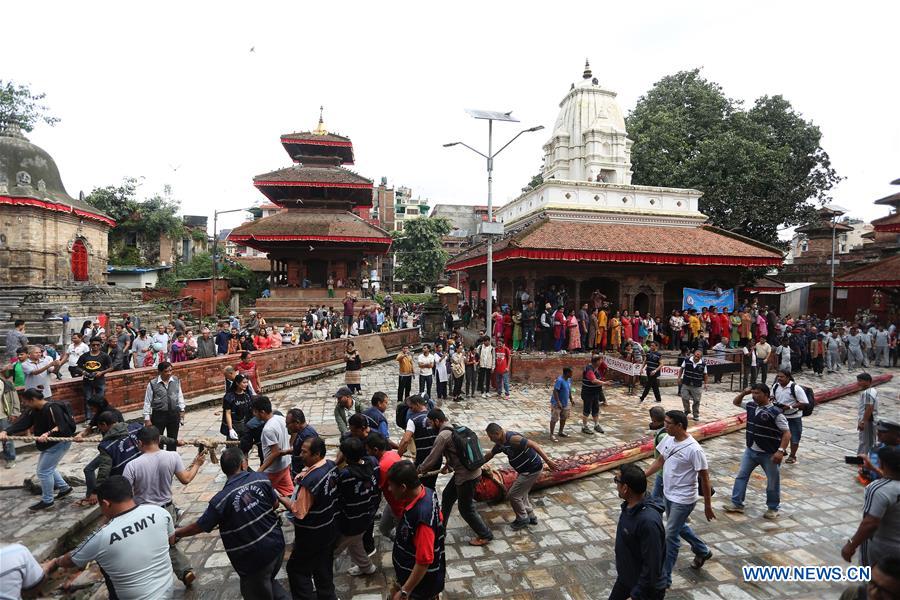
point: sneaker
(597, 428)
(484, 395)
(641, 400)
(64, 493)
(506, 397)
(732, 508)
(40, 506)
(532, 520)
(563, 434)
(480, 541)
(554, 438)
(587, 430)
(519, 524)
(188, 578)
(695, 418)
(700, 559)
(10, 464)
(356, 571)
(770, 514)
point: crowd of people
(334, 504)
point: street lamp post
(215, 270)
(491, 230)
(835, 213)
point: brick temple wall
(125, 389)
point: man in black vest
(314, 505)
(164, 403)
(693, 380)
(419, 428)
(768, 437)
(358, 500)
(418, 556)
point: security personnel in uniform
(419, 429)
(418, 555)
(314, 505)
(693, 379)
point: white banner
(622, 366)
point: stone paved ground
(569, 555)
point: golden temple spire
(320, 128)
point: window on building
(804, 245)
(131, 239)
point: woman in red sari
(496, 324)
(626, 328)
(262, 342)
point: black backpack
(468, 448)
(807, 409)
(66, 427)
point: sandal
(85, 502)
(790, 460)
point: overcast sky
(196, 94)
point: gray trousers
(883, 356)
(388, 522)
(833, 360)
(690, 399)
(866, 438)
(855, 358)
(518, 494)
(180, 562)
(353, 544)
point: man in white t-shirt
(426, 370)
(276, 446)
(790, 398)
(132, 548)
(73, 352)
(685, 462)
(19, 571)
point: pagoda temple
(314, 235)
(587, 229)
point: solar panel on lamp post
(490, 117)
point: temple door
(79, 261)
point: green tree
(200, 266)
(419, 252)
(20, 106)
(758, 169)
(535, 181)
(139, 223)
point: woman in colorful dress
(626, 330)
(178, 354)
(592, 338)
(507, 328)
(735, 323)
(745, 330)
(615, 331)
(517, 331)
(496, 324)
(574, 332)
(643, 332)
(261, 340)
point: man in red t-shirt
(377, 446)
(501, 368)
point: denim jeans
(46, 470)
(676, 529)
(425, 384)
(749, 462)
(9, 448)
(90, 475)
(657, 492)
(502, 383)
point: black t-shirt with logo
(90, 364)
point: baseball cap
(343, 391)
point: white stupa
(587, 171)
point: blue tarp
(698, 299)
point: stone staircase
(289, 304)
(42, 310)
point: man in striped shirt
(244, 511)
(527, 458)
